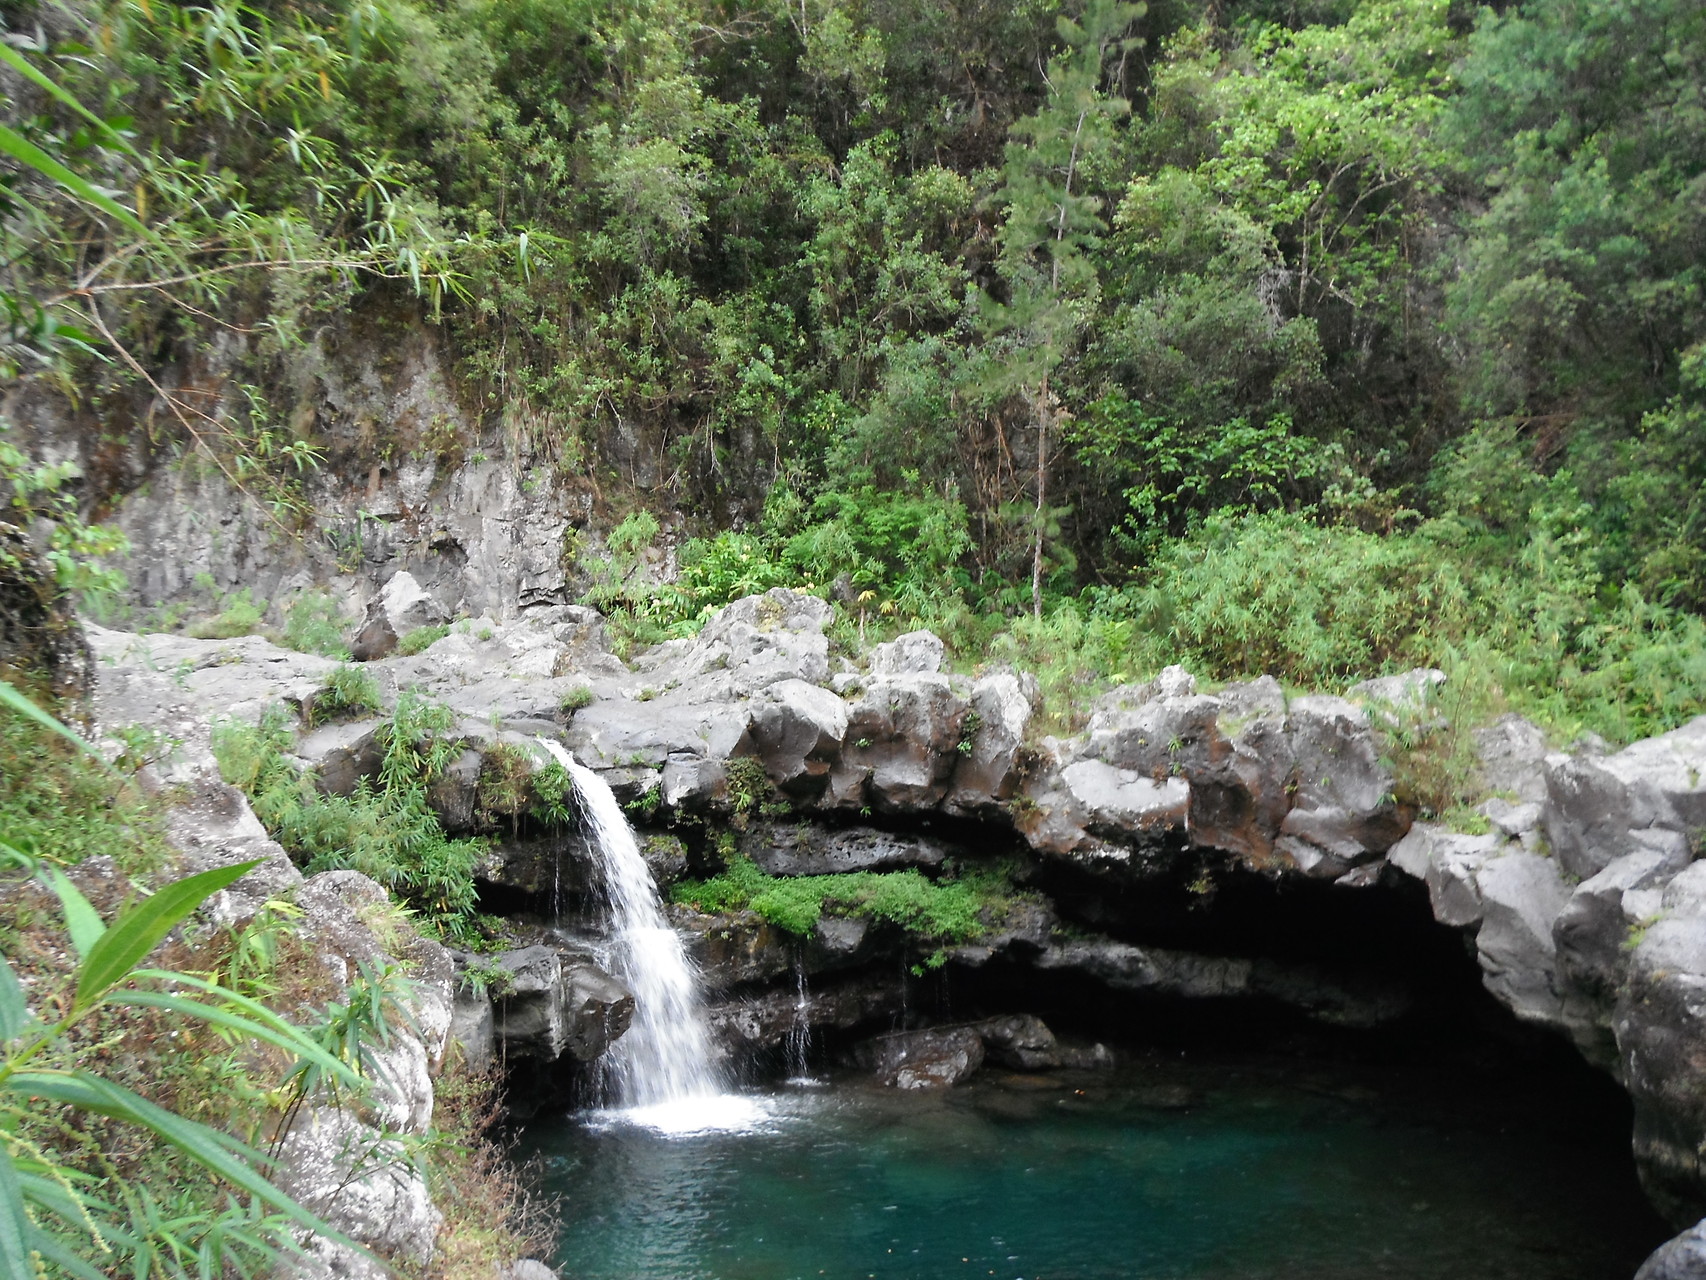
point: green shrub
(349, 692)
(934, 913)
(422, 638)
(239, 615)
(577, 697)
(315, 623)
(387, 832)
(60, 804)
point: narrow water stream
(1188, 1170)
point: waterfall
(661, 1070)
(797, 1047)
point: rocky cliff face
(1582, 899)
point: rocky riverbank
(1578, 893)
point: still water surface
(1199, 1171)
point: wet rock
(931, 1059)
(1124, 967)
(764, 1020)
(1019, 1041)
(735, 948)
(803, 850)
(553, 867)
(558, 1004)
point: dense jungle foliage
(1318, 336)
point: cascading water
(796, 1049)
(661, 1072)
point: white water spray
(661, 1070)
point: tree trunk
(1045, 410)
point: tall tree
(1053, 219)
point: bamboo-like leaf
(16, 701)
(21, 149)
(24, 67)
(14, 1224)
(55, 1251)
(218, 1153)
(14, 1011)
(82, 921)
(135, 933)
(290, 1039)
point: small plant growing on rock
(421, 639)
(648, 804)
(315, 623)
(239, 614)
(577, 698)
(506, 783)
(748, 784)
(349, 692)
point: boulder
(931, 1059)
(1593, 930)
(558, 1004)
(1601, 807)
(802, 850)
(1521, 895)
(1405, 698)
(362, 1182)
(987, 774)
(1513, 758)
(341, 755)
(401, 606)
(1447, 862)
(1240, 799)
(1020, 1041)
(796, 730)
(1342, 801)
(915, 653)
(1683, 1257)
(754, 643)
(901, 747)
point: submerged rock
(932, 1059)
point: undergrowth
(386, 831)
(936, 913)
(60, 805)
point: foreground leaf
(139, 930)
